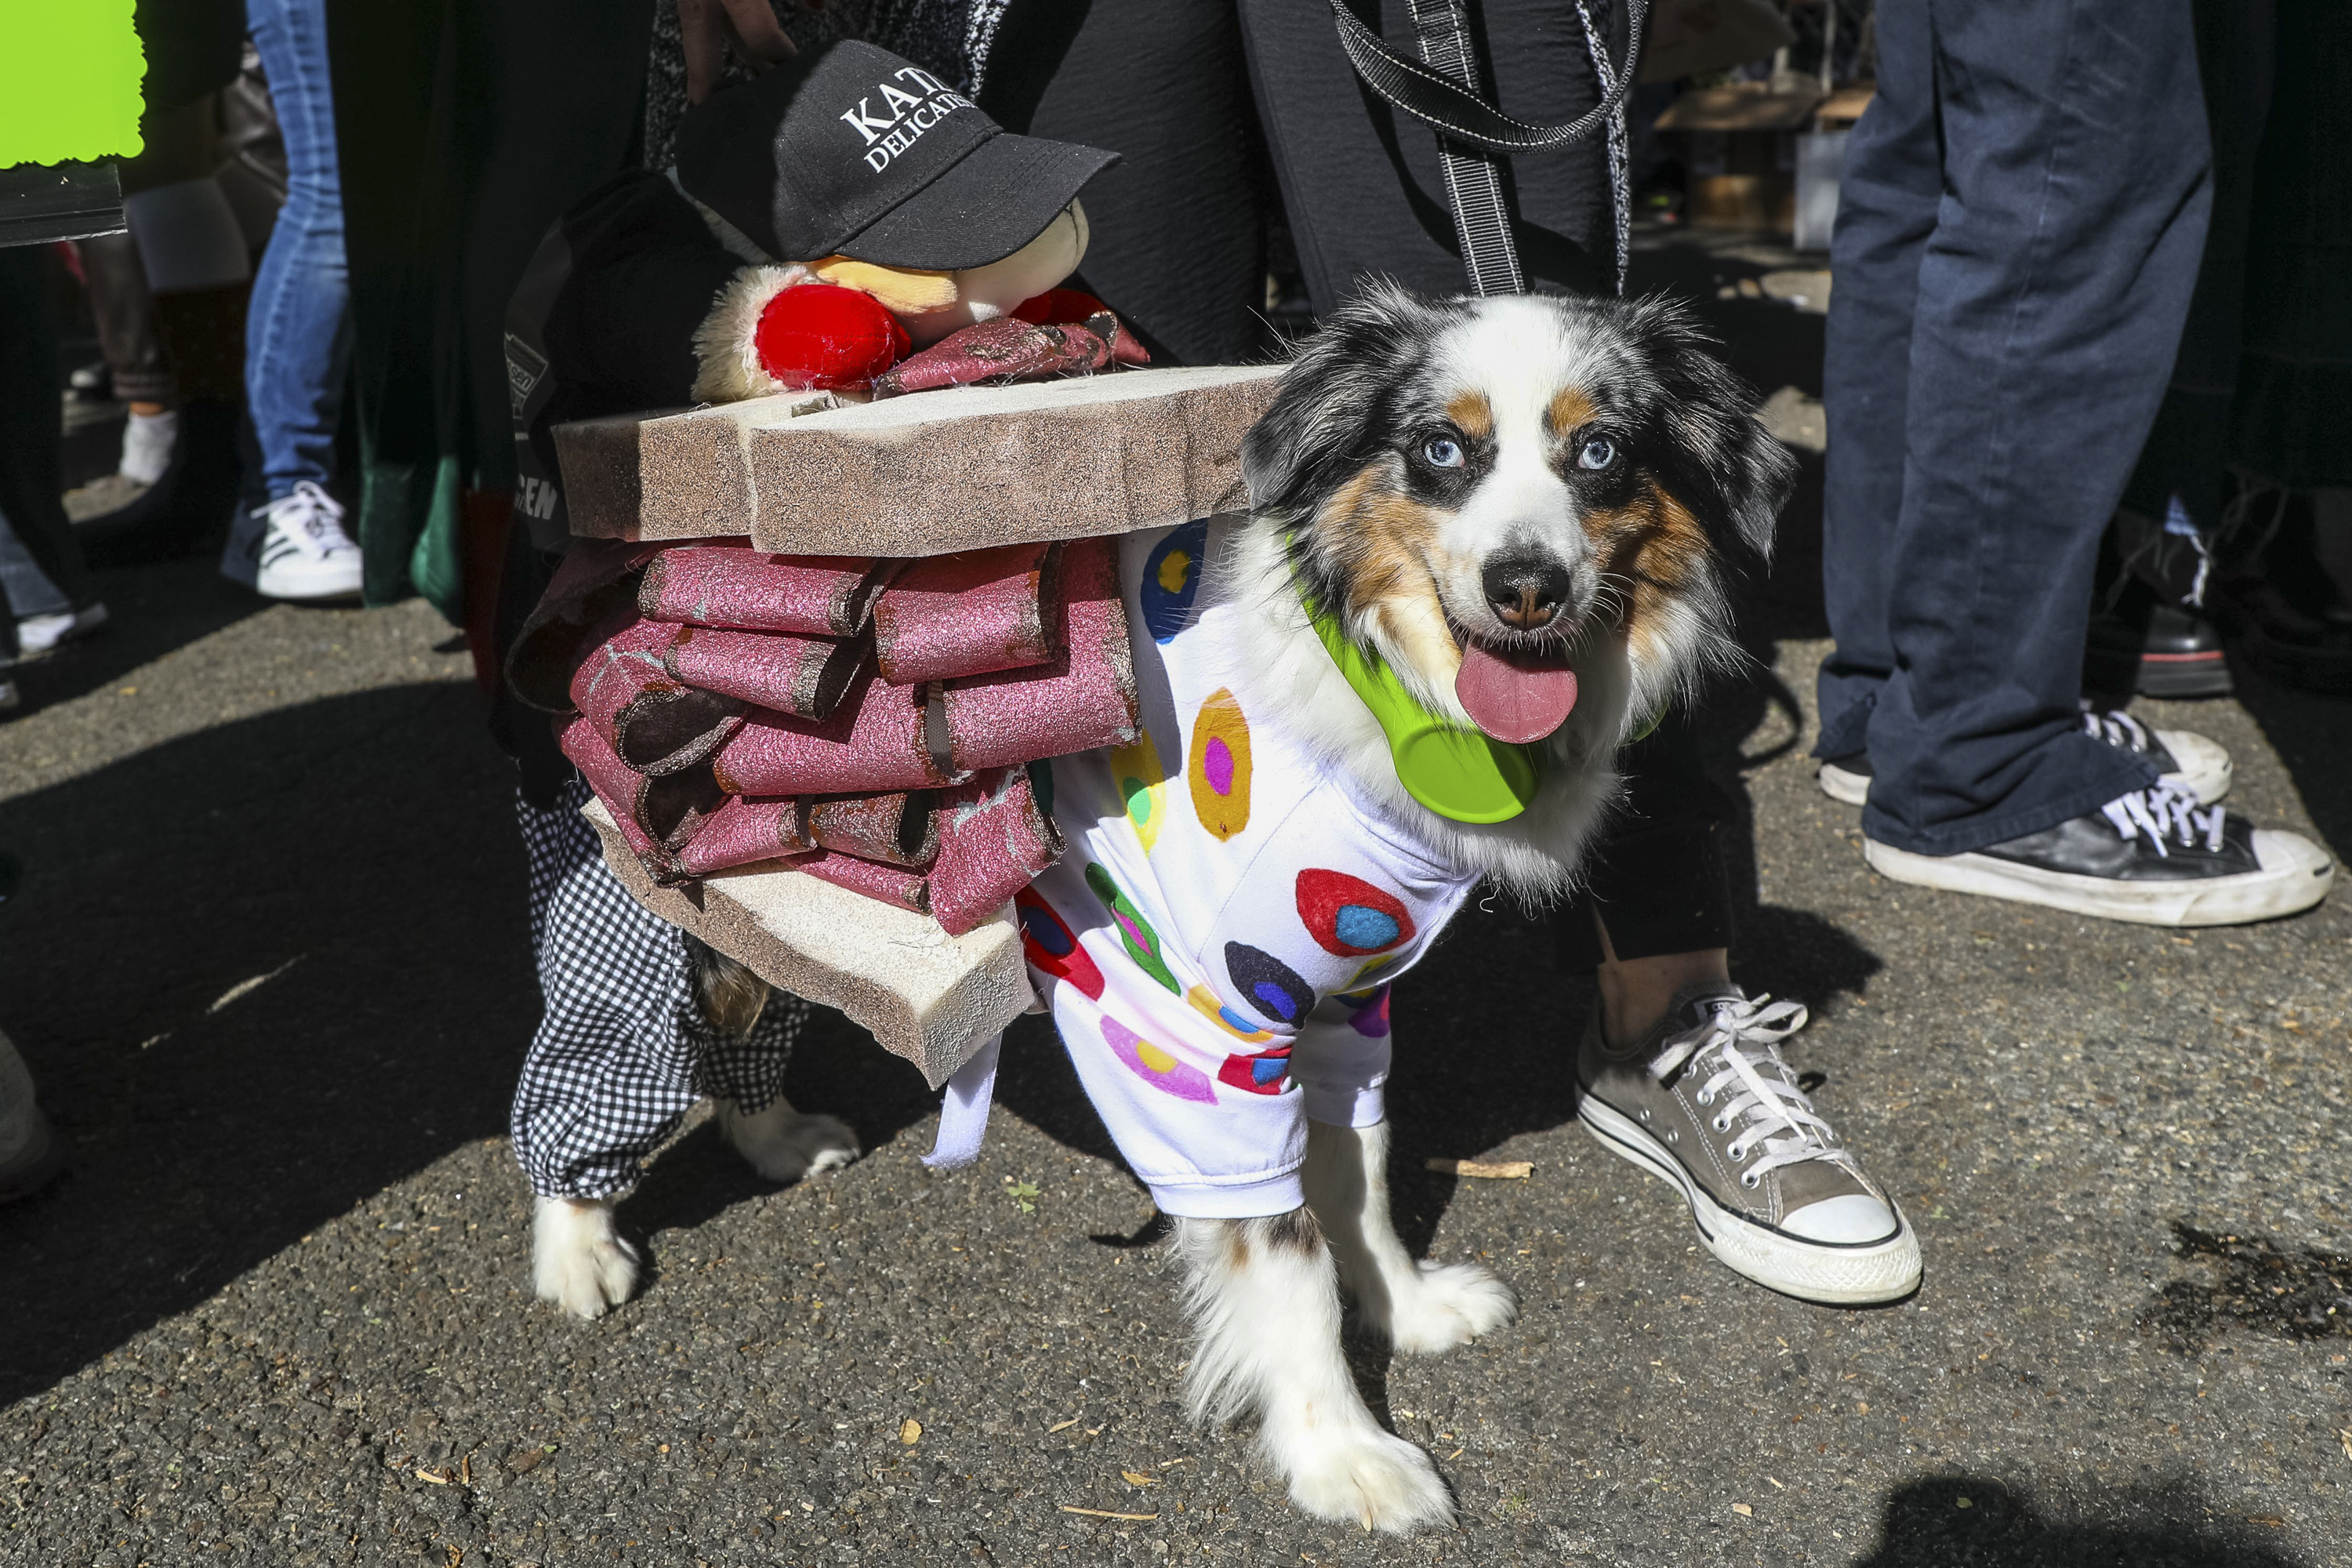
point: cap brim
(986, 206)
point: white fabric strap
(964, 1114)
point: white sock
(147, 443)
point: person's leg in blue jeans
(2026, 206)
(298, 334)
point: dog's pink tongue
(1514, 697)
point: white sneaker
(38, 635)
(305, 553)
(147, 443)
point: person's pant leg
(298, 327)
(1362, 183)
(2051, 300)
(1887, 200)
(1655, 877)
(30, 380)
(1178, 246)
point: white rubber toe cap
(1853, 1219)
(2205, 769)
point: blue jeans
(297, 330)
(2019, 227)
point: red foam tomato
(1055, 306)
(822, 336)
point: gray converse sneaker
(1705, 1103)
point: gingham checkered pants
(622, 1052)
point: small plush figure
(844, 222)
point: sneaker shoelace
(312, 519)
(2117, 729)
(1741, 1042)
(2167, 814)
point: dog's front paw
(1367, 1477)
(1447, 1305)
(578, 1260)
(784, 1145)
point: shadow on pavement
(1969, 1522)
(151, 610)
(259, 974)
(2313, 737)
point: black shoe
(2153, 857)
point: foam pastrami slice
(735, 586)
(994, 839)
(973, 613)
(891, 884)
(594, 591)
(652, 722)
(900, 829)
(1082, 698)
(657, 816)
(744, 833)
(798, 675)
(1514, 697)
(875, 741)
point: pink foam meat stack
(867, 721)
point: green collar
(1457, 773)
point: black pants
(1203, 100)
(30, 377)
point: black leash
(1474, 136)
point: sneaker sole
(1826, 1272)
(1840, 784)
(2301, 881)
(297, 591)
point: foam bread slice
(923, 994)
(964, 467)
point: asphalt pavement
(269, 965)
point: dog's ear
(1315, 434)
(1721, 464)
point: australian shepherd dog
(1527, 511)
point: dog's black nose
(1527, 590)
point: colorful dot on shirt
(1270, 985)
(1225, 1017)
(1372, 1020)
(1172, 577)
(1143, 785)
(1046, 941)
(1141, 941)
(1218, 771)
(1349, 916)
(1358, 989)
(1268, 1072)
(1156, 1066)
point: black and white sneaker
(2154, 856)
(2183, 759)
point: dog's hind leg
(784, 1144)
(578, 1259)
(1421, 1307)
(1265, 1309)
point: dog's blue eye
(1599, 453)
(1443, 452)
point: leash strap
(963, 1113)
(1474, 136)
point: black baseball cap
(852, 150)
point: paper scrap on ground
(1492, 1170)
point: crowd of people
(2051, 344)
